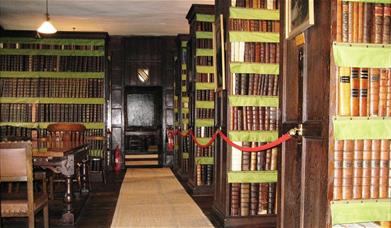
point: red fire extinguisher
(170, 139)
(117, 159)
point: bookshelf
(183, 106)
(247, 182)
(201, 97)
(48, 80)
(359, 150)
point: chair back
(66, 132)
(15, 161)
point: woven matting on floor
(154, 198)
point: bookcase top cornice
(199, 9)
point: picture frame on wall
(299, 16)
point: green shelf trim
(46, 74)
(184, 44)
(184, 66)
(51, 41)
(351, 128)
(254, 68)
(185, 121)
(204, 35)
(252, 176)
(43, 125)
(204, 160)
(269, 37)
(183, 77)
(185, 110)
(96, 153)
(185, 99)
(49, 100)
(253, 14)
(203, 140)
(205, 86)
(175, 110)
(6, 51)
(205, 104)
(204, 122)
(205, 69)
(370, 1)
(362, 55)
(183, 89)
(259, 101)
(357, 211)
(204, 52)
(185, 155)
(253, 136)
(205, 17)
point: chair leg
(46, 216)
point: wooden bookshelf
(183, 106)
(48, 80)
(247, 109)
(201, 72)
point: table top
(56, 148)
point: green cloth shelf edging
(204, 161)
(205, 104)
(252, 176)
(55, 52)
(370, 1)
(252, 136)
(357, 211)
(204, 52)
(355, 128)
(254, 68)
(253, 14)
(205, 17)
(205, 85)
(259, 101)
(43, 125)
(46, 74)
(26, 40)
(204, 35)
(205, 69)
(204, 122)
(269, 37)
(185, 155)
(49, 100)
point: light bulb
(47, 28)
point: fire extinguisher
(117, 159)
(170, 139)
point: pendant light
(47, 27)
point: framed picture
(299, 16)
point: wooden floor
(99, 208)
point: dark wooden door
(305, 86)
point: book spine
(347, 169)
(366, 181)
(375, 169)
(344, 91)
(384, 168)
(357, 169)
(374, 85)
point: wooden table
(64, 158)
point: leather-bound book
(271, 198)
(234, 119)
(249, 118)
(357, 169)
(273, 119)
(246, 156)
(254, 190)
(250, 85)
(344, 92)
(378, 23)
(243, 84)
(275, 86)
(257, 52)
(245, 119)
(244, 199)
(350, 21)
(263, 199)
(209, 176)
(355, 22)
(367, 22)
(236, 84)
(262, 117)
(363, 92)
(339, 20)
(198, 175)
(360, 22)
(267, 119)
(338, 159)
(374, 91)
(355, 91)
(388, 102)
(260, 160)
(386, 24)
(253, 158)
(384, 168)
(383, 92)
(240, 118)
(235, 199)
(255, 118)
(273, 159)
(347, 170)
(375, 169)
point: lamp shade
(47, 28)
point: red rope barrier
(267, 146)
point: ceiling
(117, 17)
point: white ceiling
(117, 17)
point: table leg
(84, 177)
(68, 216)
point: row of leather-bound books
(51, 63)
(205, 95)
(51, 112)
(205, 113)
(362, 169)
(204, 175)
(204, 152)
(185, 115)
(51, 87)
(255, 84)
(21, 45)
(260, 4)
(364, 92)
(249, 25)
(253, 118)
(204, 43)
(205, 77)
(203, 26)
(204, 60)
(254, 52)
(204, 132)
(359, 22)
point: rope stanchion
(267, 146)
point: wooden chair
(97, 156)
(66, 132)
(16, 166)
